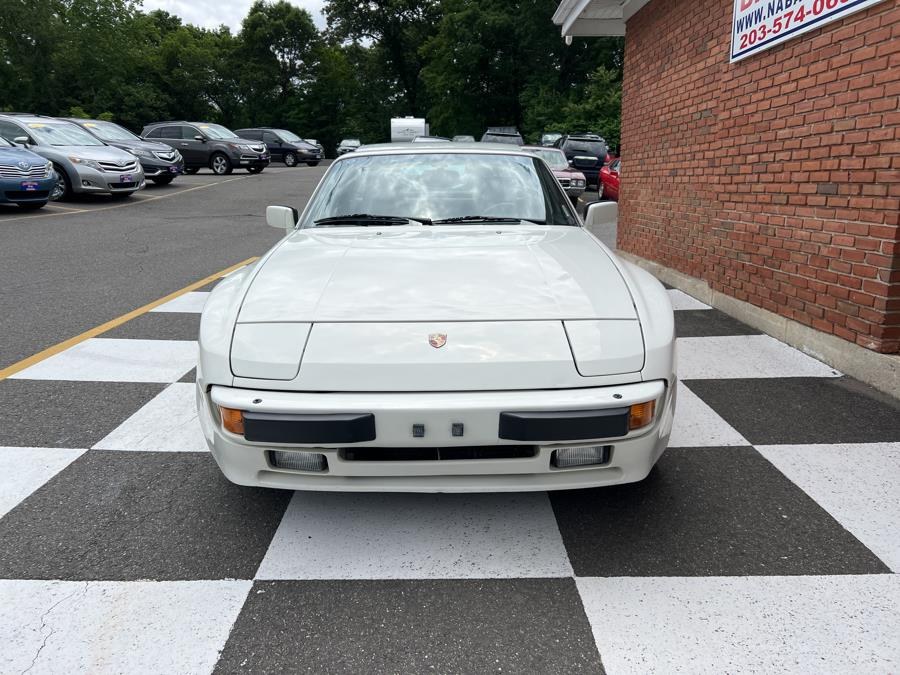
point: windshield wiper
(484, 219)
(366, 219)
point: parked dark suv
(585, 152)
(160, 162)
(203, 144)
(284, 146)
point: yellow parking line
(135, 202)
(114, 323)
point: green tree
(396, 29)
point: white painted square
(738, 356)
(698, 425)
(24, 470)
(117, 360)
(116, 626)
(166, 423)
(857, 483)
(681, 300)
(327, 535)
(833, 624)
(189, 303)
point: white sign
(760, 24)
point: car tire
(163, 180)
(290, 159)
(191, 170)
(255, 169)
(32, 206)
(312, 164)
(220, 164)
(63, 189)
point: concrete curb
(882, 371)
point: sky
(213, 13)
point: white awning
(595, 17)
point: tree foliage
(464, 64)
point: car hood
(441, 273)
(98, 152)
(16, 155)
(568, 172)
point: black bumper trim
(336, 428)
(565, 425)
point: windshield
(351, 143)
(555, 158)
(550, 138)
(61, 133)
(109, 131)
(586, 147)
(288, 136)
(440, 185)
(216, 131)
(511, 139)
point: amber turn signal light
(232, 420)
(641, 415)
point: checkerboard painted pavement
(766, 539)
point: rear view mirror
(21, 140)
(282, 217)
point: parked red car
(609, 180)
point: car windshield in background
(62, 133)
(217, 131)
(510, 139)
(555, 158)
(591, 148)
(351, 143)
(439, 186)
(5, 143)
(110, 132)
(287, 136)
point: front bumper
(574, 192)
(247, 159)
(244, 462)
(157, 168)
(88, 180)
(26, 190)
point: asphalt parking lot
(764, 541)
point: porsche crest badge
(437, 340)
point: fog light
(641, 415)
(299, 461)
(232, 420)
(569, 457)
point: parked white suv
(84, 163)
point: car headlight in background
(578, 182)
(48, 170)
(90, 163)
(140, 152)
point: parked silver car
(84, 163)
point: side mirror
(21, 140)
(200, 138)
(282, 217)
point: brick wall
(775, 179)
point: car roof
(25, 117)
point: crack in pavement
(45, 625)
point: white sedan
(436, 320)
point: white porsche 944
(437, 319)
